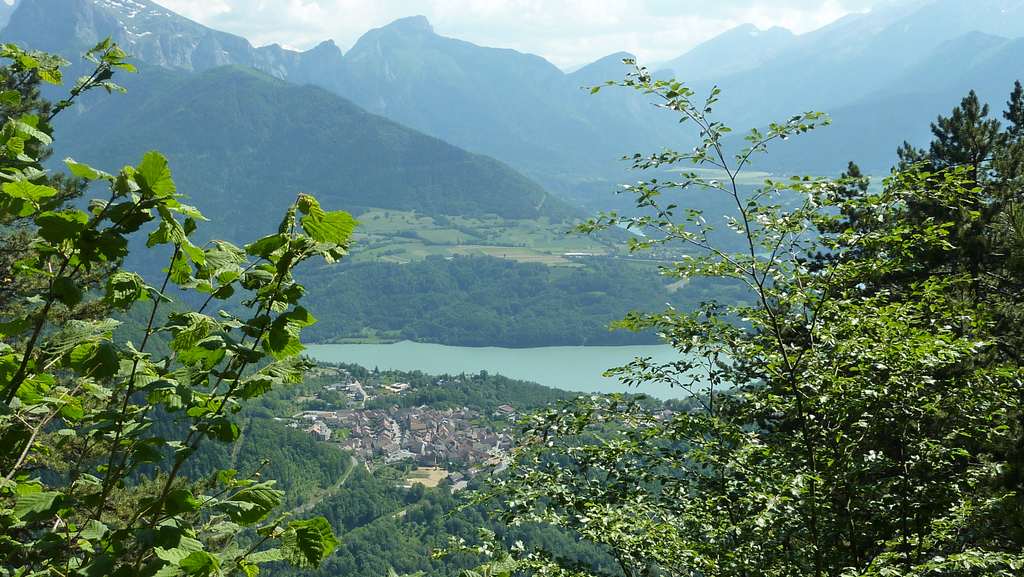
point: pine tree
(967, 137)
(1015, 112)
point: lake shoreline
(569, 368)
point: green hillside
(243, 143)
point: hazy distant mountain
(882, 76)
(870, 130)
(915, 56)
(514, 106)
(737, 50)
(517, 107)
(155, 35)
(6, 10)
(860, 56)
(242, 144)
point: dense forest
(485, 301)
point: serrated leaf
(253, 503)
(36, 505)
(333, 227)
(25, 190)
(156, 174)
(308, 542)
(266, 246)
(124, 289)
(199, 563)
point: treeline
(486, 301)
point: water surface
(567, 368)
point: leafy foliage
(79, 407)
(863, 414)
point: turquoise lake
(568, 368)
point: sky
(569, 33)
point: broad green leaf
(156, 174)
(308, 542)
(76, 332)
(333, 227)
(25, 190)
(265, 246)
(252, 504)
(124, 289)
(36, 505)
(59, 226)
(181, 501)
(200, 563)
(10, 98)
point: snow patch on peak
(132, 8)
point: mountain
(516, 107)
(869, 130)
(155, 35)
(242, 144)
(737, 50)
(6, 9)
(882, 76)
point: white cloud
(567, 32)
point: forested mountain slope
(243, 144)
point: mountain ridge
(521, 109)
(244, 143)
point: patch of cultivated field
(403, 236)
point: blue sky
(566, 32)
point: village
(452, 443)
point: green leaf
(93, 530)
(265, 246)
(282, 340)
(252, 504)
(308, 542)
(155, 174)
(35, 388)
(267, 556)
(181, 501)
(57, 227)
(223, 430)
(199, 563)
(85, 171)
(76, 332)
(28, 124)
(10, 98)
(97, 360)
(34, 505)
(124, 289)
(24, 190)
(334, 227)
(66, 291)
(189, 329)
(16, 146)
